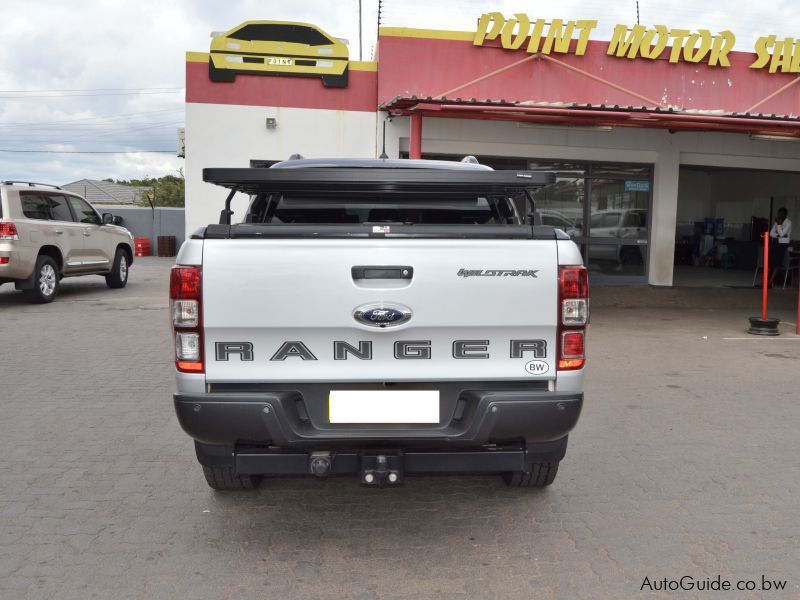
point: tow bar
(377, 470)
(381, 470)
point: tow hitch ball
(380, 470)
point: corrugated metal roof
(404, 102)
(671, 118)
(105, 192)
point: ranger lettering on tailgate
(410, 349)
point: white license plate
(276, 60)
(383, 406)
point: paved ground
(686, 462)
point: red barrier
(764, 325)
(141, 246)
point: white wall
(739, 195)
(665, 150)
(694, 195)
(736, 196)
(221, 135)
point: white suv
(47, 233)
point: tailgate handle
(382, 272)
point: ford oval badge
(382, 315)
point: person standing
(780, 236)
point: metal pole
(415, 143)
(797, 318)
(359, 30)
(765, 325)
(766, 277)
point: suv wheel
(118, 276)
(224, 479)
(45, 281)
(538, 475)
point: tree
(168, 190)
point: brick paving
(686, 462)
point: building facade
(668, 169)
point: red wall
(426, 67)
(296, 92)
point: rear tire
(46, 279)
(224, 479)
(538, 475)
(118, 277)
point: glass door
(618, 227)
(562, 205)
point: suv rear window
(35, 206)
(369, 208)
(45, 207)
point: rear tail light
(185, 313)
(187, 346)
(574, 312)
(186, 293)
(4, 260)
(573, 316)
(8, 231)
(572, 344)
(184, 283)
(574, 282)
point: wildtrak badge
(497, 272)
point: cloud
(91, 44)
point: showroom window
(603, 207)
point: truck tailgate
(272, 291)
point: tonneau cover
(349, 179)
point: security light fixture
(525, 125)
(272, 122)
(774, 138)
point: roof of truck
(380, 163)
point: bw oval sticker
(537, 367)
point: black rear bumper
(296, 417)
(249, 460)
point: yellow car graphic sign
(278, 48)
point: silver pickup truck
(379, 318)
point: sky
(79, 77)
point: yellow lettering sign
(782, 56)
(763, 45)
(723, 43)
(585, 27)
(524, 23)
(536, 36)
(654, 42)
(489, 27)
(700, 46)
(513, 32)
(623, 44)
